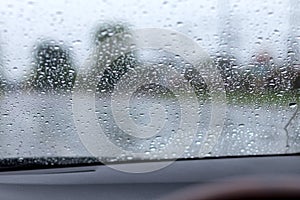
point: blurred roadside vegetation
(53, 68)
(261, 81)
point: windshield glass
(150, 80)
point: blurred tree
(247, 80)
(112, 60)
(53, 68)
(196, 80)
(115, 71)
(228, 70)
(2, 85)
(296, 83)
(111, 42)
(109, 30)
(260, 75)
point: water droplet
(292, 105)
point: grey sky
(257, 25)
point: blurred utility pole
(3, 75)
(228, 43)
(294, 33)
(227, 24)
(223, 9)
(293, 57)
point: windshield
(150, 80)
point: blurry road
(43, 125)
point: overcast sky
(256, 25)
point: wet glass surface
(69, 72)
